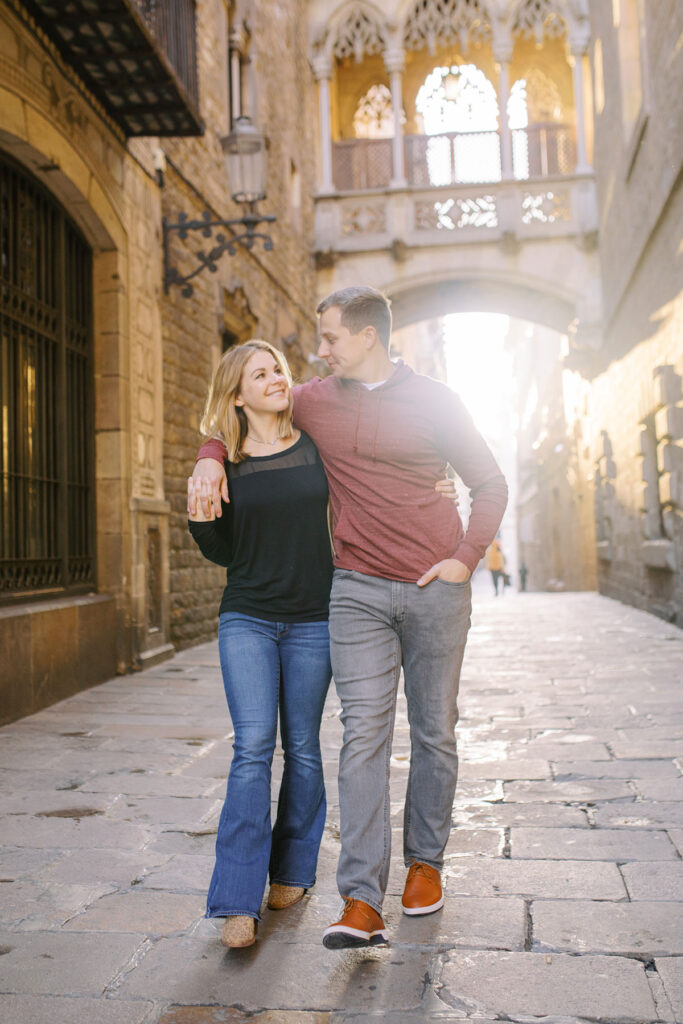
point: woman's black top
(273, 536)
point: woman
(273, 636)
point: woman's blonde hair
(222, 418)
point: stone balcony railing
(453, 158)
(507, 211)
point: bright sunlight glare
(480, 369)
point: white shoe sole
(343, 937)
(418, 911)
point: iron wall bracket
(208, 261)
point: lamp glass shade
(244, 151)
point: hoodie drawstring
(355, 432)
(374, 436)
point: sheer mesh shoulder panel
(303, 453)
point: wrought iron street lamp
(245, 164)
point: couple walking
(379, 437)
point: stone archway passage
(425, 300)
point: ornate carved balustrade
(510, 211)
(454, 158)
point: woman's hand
(446, 487)
(210, 476)
(199, 499)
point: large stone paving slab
(660, 880)
(149, 913)
(508, 814)
(658, 769)
(534, 878)
(54, 963)
(581, 792)
(66, 1010)
(670, 970)
(232, 1015)
(279, 976)
(591, 844)
(35, 906)
(639, 929)
(558, 986)
(642, 814)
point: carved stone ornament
(545, 207)
(357, 35)
(537, 19)
(432, 22)
(364, 220)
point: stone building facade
(618, 437)
(126, 586)
(636, 401)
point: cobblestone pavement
(563, 872)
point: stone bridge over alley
(563, 872)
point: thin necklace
(259, 441)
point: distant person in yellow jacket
(495, 562)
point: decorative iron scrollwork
(208, 261)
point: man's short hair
(361, 307)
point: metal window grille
(46, 394)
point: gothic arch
(362, 26)
(355, 28)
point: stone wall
(154, 353)
(636, 403)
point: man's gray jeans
(375, 626)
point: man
(400, 594)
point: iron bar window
(46, 394)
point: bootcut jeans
(377, 625)
(267, 665)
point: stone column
(394, 61)
(577, 49)
(502, 54)
(322, 69)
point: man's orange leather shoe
(359, 925)
(422, 893)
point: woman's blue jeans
(266, 666)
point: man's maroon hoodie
(383, 450)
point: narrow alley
(563, 872)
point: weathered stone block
(531, 984)
(56, 963)
(661, 880)
(80, 1010)
(591, 844)
(630, 929)
(670, 970)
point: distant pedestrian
(523, 573)
(495, 563)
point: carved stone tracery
(538, 18)
(357, 35)
(446, 21)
